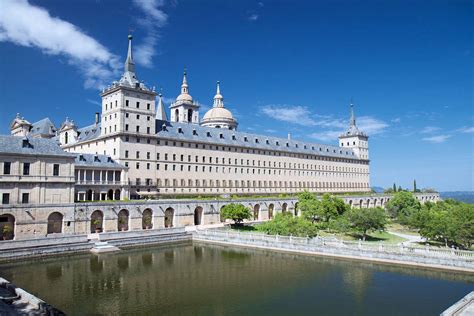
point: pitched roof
(31, 146)
(43, 127)
(221, 136)
(91, 160)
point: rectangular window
(138, 154)
(126, 102)
(56, 169)
(126, 153)
(25, 198)
(148, 106)
(126, 127)
(7, 167)
(138, 105)
(138, 129)
(6, 198)
(148, 130)
(26, 169)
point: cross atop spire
(129, 64)
(352, 121)
(184, 85)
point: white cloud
(396, 120)
(271, 131)
(467, 129)
(253, 17)
(152, 19)
(429, 130)
(326, 136)
(94, 102)
(292, 114)
(437, 139)
(371, 125)
(31, 26)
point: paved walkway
(411, 238)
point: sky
(284, 66)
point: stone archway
(110, 195)
(122, 220)
(270, 210)
(169, 214)
(147, 219)
(97, 221)
(55, 223)
(361, 203)
(198, 215)
(7, 226)
(117, 194)
(350, 203)
(284, 207)
(256, 211)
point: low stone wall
(429, 257)
(32, 221)
(463, 307)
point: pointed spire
(184, 85)
(352, 121)
(218, 98)
(160, 111)
(129, 64)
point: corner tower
(355, 139)
(184, 109)
(128, 106)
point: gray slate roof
(221, 136)
(88, 132)
(91, 160)
(34, 146)
(43, 127)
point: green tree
(365, 220)
(394, 187)
(286, 224)
(330, 207)
(402, 205)
(414, 186)
(236, 212)
(309, 205)
(399, 188)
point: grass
(398, 228)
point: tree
(402, 205)
(394, 187)
(414, 186)
(399, 188)
(367, 219)
(286, 224)
(236, 212)
(309, 205)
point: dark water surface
(199, 279)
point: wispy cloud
(430, 130)
(437, 139)
(271, 131)
(467, 129)
(151, 21)
(253, 17)
(28, 25)
(326, 136)
(94, 102)
(292, 114)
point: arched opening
(169, 214)
(55, 223)
(361, 202)
(97, 220)
(296, 209)
(284, 207)
(89, 196)
(350, 203)
(66, 138)
(7, 226)
(375, 202)
(117, 194)
(122, 220)
(198, 215)
(176, 115)
(190, 115)
(256, 210)
(270, 211)
(147, 219)
(110, 195)
(368, 203)
(221, 218)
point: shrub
(286, 224)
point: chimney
(96, 118)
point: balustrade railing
(331, 242)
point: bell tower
(355, 139)
(184, 109)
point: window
(138, 129)
(138, 154)
(148, 130)
(25, 198)
(26, 169)
(56, 169)
(6, 198)
(148, 106)
(138, 165)
(6, 167)
(138, 104)
(126, 127)
(148, 155)
(126, 115)
(126, 153)
(126, 102)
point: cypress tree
(394, 187)
(400, 188)
(414, 185)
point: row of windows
(251, 184)
(26, 168)
(127, 103)
(248, 162)
(127, 115)
(25, 198)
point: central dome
(219, 116)
(218, 113)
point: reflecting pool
(202, 279)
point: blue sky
(284, 66)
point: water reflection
(207, 280)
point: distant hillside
(378, 189)
(463, 196)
